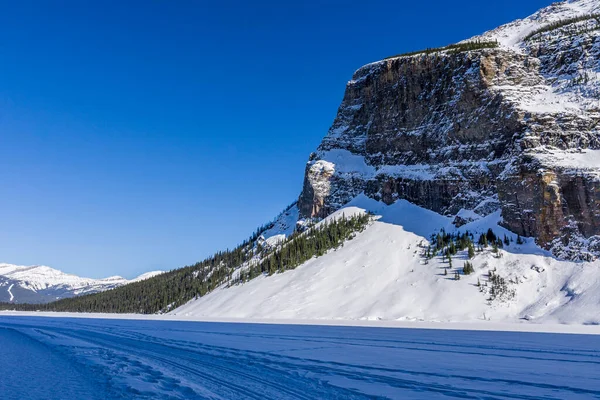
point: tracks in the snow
(160, 359)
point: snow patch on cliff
(587, 159)
(344, 162)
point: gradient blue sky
(142, 135)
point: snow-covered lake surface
(71, 358)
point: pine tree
(490, 235)
(495, 248)
(483, 241)
(452, 248)
(519, 239)
(471, 251)
(468, 268)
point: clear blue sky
(142, 135)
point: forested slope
(254, 257)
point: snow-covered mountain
(41, 284)
(497, 132)
(509, 122)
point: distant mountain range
(42, 284)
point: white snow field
(381, 275)
(87, 358)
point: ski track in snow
(191, 360)
(10, 293)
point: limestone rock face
(511, 128)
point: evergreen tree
(452, 248)
(495, 248)
(468, 268)
(519, 239)
(471, 251)
(483, 241)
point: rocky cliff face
(465, 133)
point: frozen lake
(71, 358)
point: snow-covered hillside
(40, 284)
(512, 35)
(382, 274)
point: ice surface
(54, 358)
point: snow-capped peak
(146, 275)
(40, 283)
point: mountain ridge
(40, 283)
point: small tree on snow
(468, 268)
(519, 239)
(471, 251)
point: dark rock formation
(511, 128)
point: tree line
(560, 23)
(453, 48)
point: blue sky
(144, 135)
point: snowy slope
(513, 34)
(381, 275)
(41, 283)
(283, 226)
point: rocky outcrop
(512, 127)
